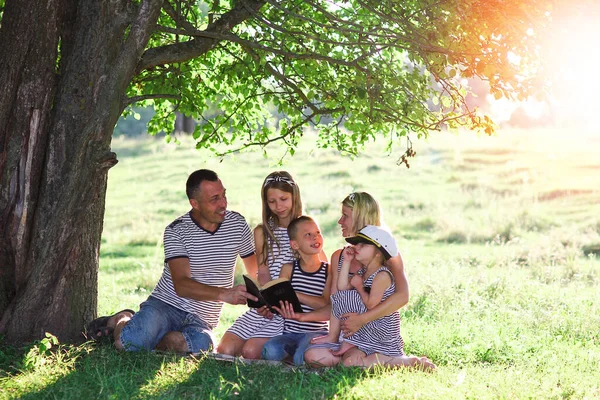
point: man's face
(209, 204)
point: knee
(315, 358)
(173, 341)
(230, 345)
(348, 362)
(252, 351)
(226, 348)
(138, 333)
(132, 339)
(273, 352)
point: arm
(354, 321)
(381, 282)
(343, 282)
(286, 271)
(314, 302)
(185, 286)
(263, 275)
(250, 263)
(319, 303)
(322, 314)
(335, 260)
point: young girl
(281, 204)
(374, 284)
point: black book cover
(272, 293)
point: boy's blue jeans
(293, 344)
(155, 318)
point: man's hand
(287, 311)
(236, 295)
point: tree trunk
(63, 83)
(184, 124)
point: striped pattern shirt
(212, 257)
(252, 324)
(308, 283)
(282, 254)
(379, 336)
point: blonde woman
(359, 209)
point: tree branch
(130, 100)
(185, 51)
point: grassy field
(500, 238)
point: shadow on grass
(99, 372)
(218, 379)
(103, 373)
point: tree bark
(55, 133)
(65, 66)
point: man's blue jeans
(155, 318)
(293, 344)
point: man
(201, 248)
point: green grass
(500, 238)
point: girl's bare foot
(422, 363)
(344, 347)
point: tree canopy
(374, 67)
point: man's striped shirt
(212, 258)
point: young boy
(309, 275)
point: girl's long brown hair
(283, 181)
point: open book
(272, 293)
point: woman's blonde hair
(283, 181)
(365, 211)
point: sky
(571, 55)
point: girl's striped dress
(252, 324)
(379, 336)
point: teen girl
(281, 204)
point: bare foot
(421, 363)
(344, 347)
(116, 318)
(103, 327)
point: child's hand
(287, 311)
(356, 282)
(265, 312)
(348, 253)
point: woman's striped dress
(379, 336)
(252, 324)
